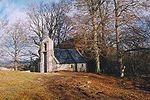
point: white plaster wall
(81, 67)
(58, 67)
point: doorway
(45, 62)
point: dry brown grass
(21, 85)
(66, 86)
(93, 87)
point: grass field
(19, 85)
(66, 86)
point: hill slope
(66, 86)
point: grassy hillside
(19, 85)
(66, 86)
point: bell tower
(47, 53)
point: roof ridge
(64, 49)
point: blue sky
(19, 3)
(8, 4)
(12, 8)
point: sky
(15, 9)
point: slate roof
(68, 56)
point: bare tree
(127, 16)
(122, 11)
(96, 14)
(49, 19)
(15, 43)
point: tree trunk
(15, 63)
(98, 69)
(15, 56)
(122, 68)
(119, 55)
